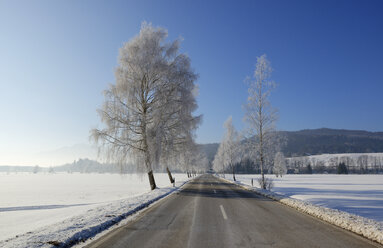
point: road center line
(223, 212)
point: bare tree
(362, 163)
(191, 159)
(228, 151)
(182, 155)
(150, 103)
(199, 162)
(260, 116)
(279, 168)
(174, 132)
(219, 158)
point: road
(209, 212)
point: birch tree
(198, 162)
(219, 158)
(279, 168)
(228, 151)
(191, 159)
(260, 115)
(176, 124)
(150, 103)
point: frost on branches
(260, 116)
(147, 113)
(279, 168)
(229, 151)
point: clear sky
(56, 57)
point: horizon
(58, 57)
(69, 154)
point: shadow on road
(218, 190)
(210, 183)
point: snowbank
(355, 194)
(82, 227)
(367, 228)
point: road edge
(120, 220)
(364, 227)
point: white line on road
(215, 192)
(223, 212)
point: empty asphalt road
(209, 212)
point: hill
(325, 140)
(320, 141)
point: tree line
(337, 163)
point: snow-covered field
(34, 207)
(38, 208)
(356, 194)
(335, 186)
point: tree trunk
(151, 180)
(170, 175)
(262, 159)
(150, 173)
(263, 174)
(233, 173)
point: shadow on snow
(41, 207)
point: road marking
(223, 212)
(215, 192)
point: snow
(70, 208)
(352, 202)
(38, 208)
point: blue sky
(56, 57)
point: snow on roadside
(367, 228)
(82, 227)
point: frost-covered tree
(279, 168)
(191, 159)
(178, 132)
(228, 154)
(362, 162)
(202, 164)
(149, 108)
(260, 116)
(199, 162)
(219, 158)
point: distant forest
(315, 142)
(320, 141)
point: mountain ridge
(320, 141)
